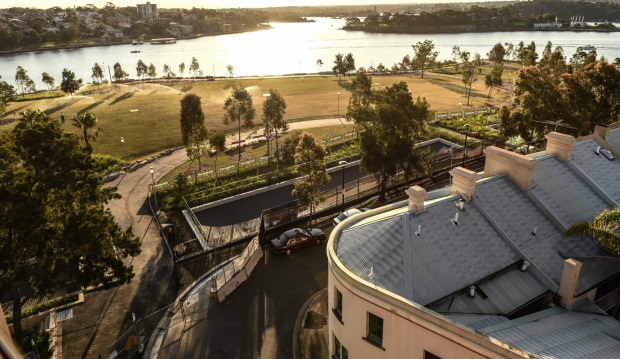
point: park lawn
(155, 124)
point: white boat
(587, 48)
(137, 42)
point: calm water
(287, 48)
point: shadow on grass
(122, 97)
(61, 106)
(187, 87)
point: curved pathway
(106, 312)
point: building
(482, 269)
(547, 26)
(147, 11)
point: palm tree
(604, 228)
(319, 63)
(86, 121)
(30, 117)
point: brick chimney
(463, 182)
(519, 168)
(417, 196)
(560, 145)
(568, 284)
(602, 131)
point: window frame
(373, 323)
(337, 309)
(429, 355)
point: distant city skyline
(212, 4)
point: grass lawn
(146, 115)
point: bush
(107, 163)
(43, 306)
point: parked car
(295, 238)
(346, 214)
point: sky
(210, 4)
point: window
(340, 352)
(338, 304)
(375, 330)
(429, 355)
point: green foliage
(477, 124)
(193, 130)
(423, 56)
(310, 161)
(7, 95)
(40, 95)
(239, 109)
(107, 163)
(69, 84)
(604, 228)
(44, 305)
(38, 341)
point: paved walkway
(106, 312)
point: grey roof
(558, 333)
(602, 172)
(504, 293)
(568, 198)
(477, 321)
(614, 138)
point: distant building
(481, 269)
(547, 26)
(147, 11)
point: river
(287, 48)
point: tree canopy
(69, 84)
(423, 55)
(238, 108)
(55, 227)
(604, 228)
(274, 109)
(194, 133)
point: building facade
(147, 11)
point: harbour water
(287, 48)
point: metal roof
(614, 139)
(602, 172)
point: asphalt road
(258, 318)
(250, 208)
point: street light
(459, 107)
(465, 152)
(153, 186)
(342, 163)
(338, 104)
(451, 152)
(122, 146)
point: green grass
(155, 124)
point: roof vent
(455, 220)
(598, 150)
(472, 291)
(534, 231)
(371, 275)
(417, 233)
(460, 204)
(607, 153)
(524, 266)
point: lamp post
(153, 187)
(343, 163)
(460, 108)
(338, 105)
(451, 152)
(465, 152)
(122, 146)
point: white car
(346, 214)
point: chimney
(417, 195)
(519, 168)
(602, 131)
(559, 144)
(463, 182)
(568, 284)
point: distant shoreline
(447, 30)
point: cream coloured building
(482, 269)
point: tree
(230, 70)
(310, 161)
(274, 109)
(582, 58)
(349, 63)
(456, 53)
(497, 54)
(152, 71)
(141, 69)
(168, 73)
(423, 55)
(86, 122)
(554, 61)
(340, 67)
(69, 84)
(217, 142)
(193, 130)
(319, 63)
(21, 79)
(48, 80)
(238, 108)
(194, 68)
(7, 95)
(471, 70)
(119, 73)
(604, 228)
(181, 68)
(97, 73)
(55, 224)
(390, 124)
(493, 79)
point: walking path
(107, 312)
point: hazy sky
(211, 4)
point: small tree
(86, 122)
(141, 69)
(48, 80)
(194, 68)
(340, 67)
(152, 71)
(349, 63)
(319, 63)
(471, 70)
(193, 130)
(238, 108)
(21, 79)
(423, 56)
(274, 109)
(217, 142)
(97, 73)
(230, 70)
(7, 95)
(119, 73)
(181, 68)
(310, 161)
(69, 84)
(168, 73)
